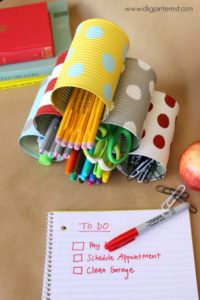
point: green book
(61, 37)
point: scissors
(109, 148)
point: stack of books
(31, 38)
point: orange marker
(71, 162)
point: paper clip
(178, 194)
(169, 191)
(173, 197)
(142, 168)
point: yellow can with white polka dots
(94, 62)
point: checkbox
(78, 246)
(77, 257)
(78, 270)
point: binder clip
(178, 194)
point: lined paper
(158, 265)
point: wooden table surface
(170, 43)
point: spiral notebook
(158, 265)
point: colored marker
(45, 160)
(91, 179)
(52, 148)
(90, 183)
(67, 152)
(49, 135)
(87, 167)
(58, 151)
(106, 176)
(131, 234)
(78, 166)
(97, 171)
(98, 181)
(71, 162)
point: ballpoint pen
(131, 234)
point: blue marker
(91, 178)
(87, 167)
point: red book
(25, 33)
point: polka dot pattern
(94, 62)
(134, 92)
(144, 65)
(75, 70)
(108, 62)
(79, 28)
(151, 87)
(94, 32)
(170, 101)
(130, 125)
(69, 54)
(125, 50)
(163, 120)
(107, 91)
(158, 131)
(51, 84)
(159, 141)
(143, 133)
(150, 106)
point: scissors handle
(104, 132)
(113, 145)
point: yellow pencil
(90, 121)
(95, 124)
(79, 122)
(72, 121)
(69, 130)
(84, 122)
(67, 115)
(79, 137)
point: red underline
(93, 231)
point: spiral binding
(47, 281)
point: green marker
(45, 159)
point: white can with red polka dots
(158, 132)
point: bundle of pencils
(77, 164)
(48, 148)
(80, 122)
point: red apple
(189, 166)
